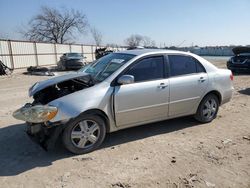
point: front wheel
(207, 109)
(84, 134)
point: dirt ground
(174, 153)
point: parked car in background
(121, 90)
(241, 59)
(100, 52)
(69, 61)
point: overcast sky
(173, 22)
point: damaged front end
(39, 114)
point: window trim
(165, 74)
(196, 61)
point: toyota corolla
(122, 90)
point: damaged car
(241, 59)
(71, 61)
(121, 90)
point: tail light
(231, 77)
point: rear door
(147, 98)
(188, 81)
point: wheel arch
(216, 93)
(101, 114)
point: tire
(84, 134)
(208, 108)
(61, 67)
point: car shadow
(148, 130)
(19, 154)
(245, 91)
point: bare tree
(134, 40)
(138, 40)
(148, 42)
(97, 35)
(112, 45)
(57, 26)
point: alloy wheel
(209, 108)
(85, 134)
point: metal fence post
(82, 48)
(92, 52)
(35, 51)
(70, 49)
(11, 54)
(55, 51)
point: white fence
(22, 54)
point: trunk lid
(240, 50)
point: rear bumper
(44, 135)
(227, 95)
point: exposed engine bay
(61, 89)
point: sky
(167, 22)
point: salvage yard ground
(174, 153)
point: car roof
(73, 53)
(149, 51)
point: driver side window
(148, 69)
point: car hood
(240, 50)
(55, 80)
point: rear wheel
(207, 109)
(84, 134)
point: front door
(147, 98)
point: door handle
(202, 79)
(162, 85)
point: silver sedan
(122, 90)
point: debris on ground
(65, 176)
(40, 71)
(188, 182)
(209, 184)
(226, 141)
(102, 52)
(246, 138)
(120, 185)
(83, 159)
(5, 70)
(173, 160)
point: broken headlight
(35, 114)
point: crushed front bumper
(44, 135)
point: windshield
(105, 66)
(74, 55)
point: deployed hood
(55, 80)
(240, 50)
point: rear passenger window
(148, 69)
(181, 65)
(199, 67)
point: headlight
(35, 114)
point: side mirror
(126, 79)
